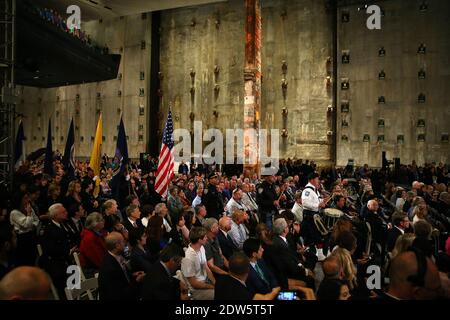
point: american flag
(164, 173)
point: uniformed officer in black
(267, 200)
(212, 200)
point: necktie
(124, 268)
(63, 227)
(241, 233)
(134, 224)
(68, 228)
(253, 201)
(260, 273)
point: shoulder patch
(307, 193)
(260, 190)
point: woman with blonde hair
(403, 243)
(348, 268)
(346, 247)
(73, 197)
(420, 212)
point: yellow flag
(96, 156)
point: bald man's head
(372, 205)
(403, 267)
(225, 223)
(332, 267)
(115, 242)
(25, 283)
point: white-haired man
(285, 261)
(162, 211)
(56, 247)
(377, 224)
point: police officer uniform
(212, 200)
(311, 199)
(265, 196)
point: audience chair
(76, 257)
(180, 276)
(86, 287)
(40, 253)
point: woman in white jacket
(25, 221)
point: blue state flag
(19, 148)
(120, 158)
(69, 152)
(48, 163)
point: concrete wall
(403, 29)
(300, 33)
(296, 31)
(302, 38)
(123, 36)
(198, 39)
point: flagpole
(120, 159)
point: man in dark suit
(233, 286)
(159, 283)
(133, 220)
(183, 168)
(284, 261)
(75, 223)
(260, 278)
(377, 225)
(226, 244)
(267, 200)
(56, 247)
(401, 223)
(114, 280)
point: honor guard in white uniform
(312, 202)
(311, 198)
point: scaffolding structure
(8, 96)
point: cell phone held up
(291, 295)
(287, 295)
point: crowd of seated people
(208, 240)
